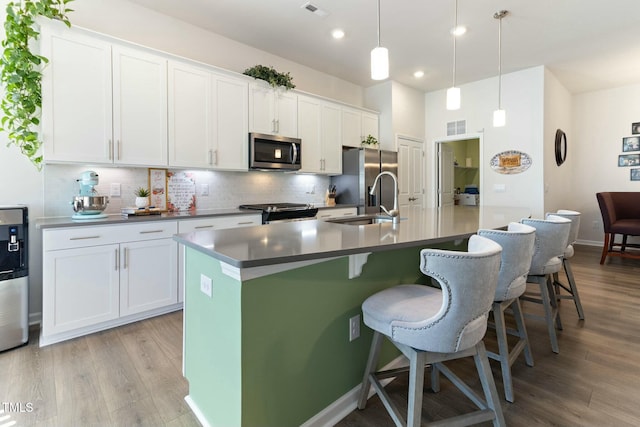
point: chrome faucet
(395, 212)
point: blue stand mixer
(87, 204)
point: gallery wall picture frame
(625, 160)
(635, 128)
(158, 189)
(634, 174)
(630, 143)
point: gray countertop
(308, 240)
(67, 221)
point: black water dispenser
(14, 276)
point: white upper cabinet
(356, 125)
(231, 127)
(319, 130)
(139, 107)
(190, 116)
(102, 103)
(76, 98)
(272, 111)
(208, 119)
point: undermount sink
(361, 220)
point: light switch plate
(204, 189)
(499, 188)
(115, 189)
(205, 285)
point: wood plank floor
(131, 376)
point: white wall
(401, 111)
(558, 181)
(600, 120)
(522, 98)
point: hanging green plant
(20, 72)
(270, 75)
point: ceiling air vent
(457, 128)
(314, 9)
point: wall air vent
(457, 128)
(314, 9)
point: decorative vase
(142, 202)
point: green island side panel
(275, 351)
(213, 337)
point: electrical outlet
(354, 328)
(205, 285)
(204, 189)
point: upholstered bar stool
(552, 235)
(571, 288)
(517, 250)
(430, 326)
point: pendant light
(379, 57)
(499, 115)
(453, 93)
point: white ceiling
(587, 44)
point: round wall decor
(561, 147)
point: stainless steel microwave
(274, 152)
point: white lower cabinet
(148, 274)
(328, 213)
(98, 277)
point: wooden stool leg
(573, 287)
(488, 385)
(522, 331)
(548, 312)
(503, 350)
(372, 362)
(416, 386)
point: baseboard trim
(589, 242)
(196, 411)
(348, 402)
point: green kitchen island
(267, 310)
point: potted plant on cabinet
(270, 75)
(142, 197)
(370, 141)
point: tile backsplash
(225, 189)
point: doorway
(410, 173)
(459, 171)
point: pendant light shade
(453, 93)
(379, 63)
(379, 57)
(499, 118)
(499, 115)
(453, 98)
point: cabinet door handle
(84, 237)
(110, 150)
(348, 214)
(325, 216)
(210, 157)
(119, 149)
(245, 223)
(151, 231)
(412, 199)
(204, 226)
(278, 126)
(273, 125)
(117, 259)
(215, 157)
(126, 255)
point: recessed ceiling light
(337, 34)
(418, 74)
(459, 30)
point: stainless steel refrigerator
(360, 166)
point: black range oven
(272, 212)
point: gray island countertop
(287, 242)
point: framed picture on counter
(158, 189)
(635, 174)
(635, 128)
